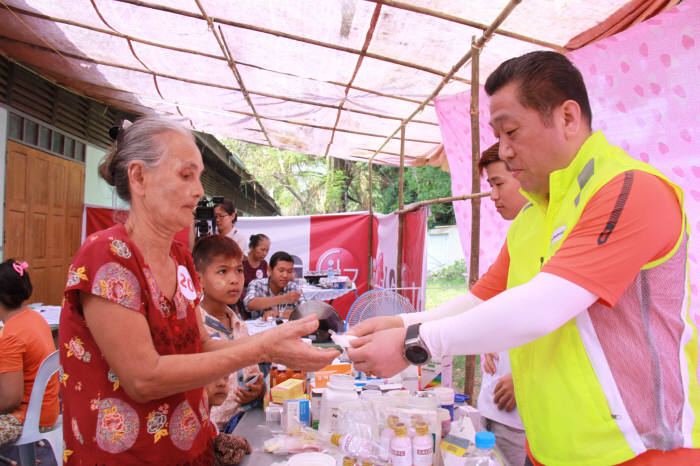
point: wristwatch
(414, 350)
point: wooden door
(43, 216)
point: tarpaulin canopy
(332, 77)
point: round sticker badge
(185, 283)
(259, 273)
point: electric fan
(376, 303)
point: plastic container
(422, 446)
(445, 422)
(369, 394)
(359, 447)
(311, 459)
(446, 398)
(341, 388)
(483, 455)
(401, 451)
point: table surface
(252, 426)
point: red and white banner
(340, 240)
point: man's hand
(375, 324)
(291, 297)
(243, 396)
(380, 353)
(490, 363)
(274, 313)
(283, 345)
(504, 394)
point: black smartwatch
(414, 350)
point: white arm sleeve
(512, 318)
(450, 308)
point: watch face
(416, 355)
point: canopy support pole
(399, 253)
(370, 233)
(476, 153)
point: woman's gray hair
(137, 141)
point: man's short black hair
(545, 80)
(280, 256)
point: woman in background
(226, 217)
(254, 265)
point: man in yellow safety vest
(594, 303)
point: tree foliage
(304, 185)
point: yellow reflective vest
(612, 382)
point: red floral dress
(101, 423)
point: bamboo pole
(476, 202)
(441, 200)
(370, 234)
(399, 253)
(468, 22)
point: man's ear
(135, 172)
(571, 118)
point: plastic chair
(30, 430)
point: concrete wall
(3, 180)
(443, 247)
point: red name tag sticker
(185, 283)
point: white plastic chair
(30, 430)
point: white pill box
(296, 414)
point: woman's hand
(283, 345)
(255, 390)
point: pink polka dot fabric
(644, 87)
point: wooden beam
(476, 202)
(441, 200)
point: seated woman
(254, 265)
(133, 348)
(217, 260)
(25, 341)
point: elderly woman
(134, 354)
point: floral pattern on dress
(120, 248)
(181, 304)
(112, 377)
(184, 426)
(76, 431)
(76, 348)
(118, 284)
(156, 296)
(75, 275)
(117, 425)
(157, 422)
(204, 409)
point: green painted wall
(97, 192)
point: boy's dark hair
(488, 157)
(280, 256)
(209, 247)
(544, 80)
(255, 240)
(14, 289)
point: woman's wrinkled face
(224, 220)
(262, 249)
(172, 188)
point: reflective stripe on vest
(571, 407)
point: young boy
(218, 261)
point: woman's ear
(135, 172)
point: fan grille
(376, 303)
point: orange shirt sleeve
(12, 351)
(495, 279)
(633, 220)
